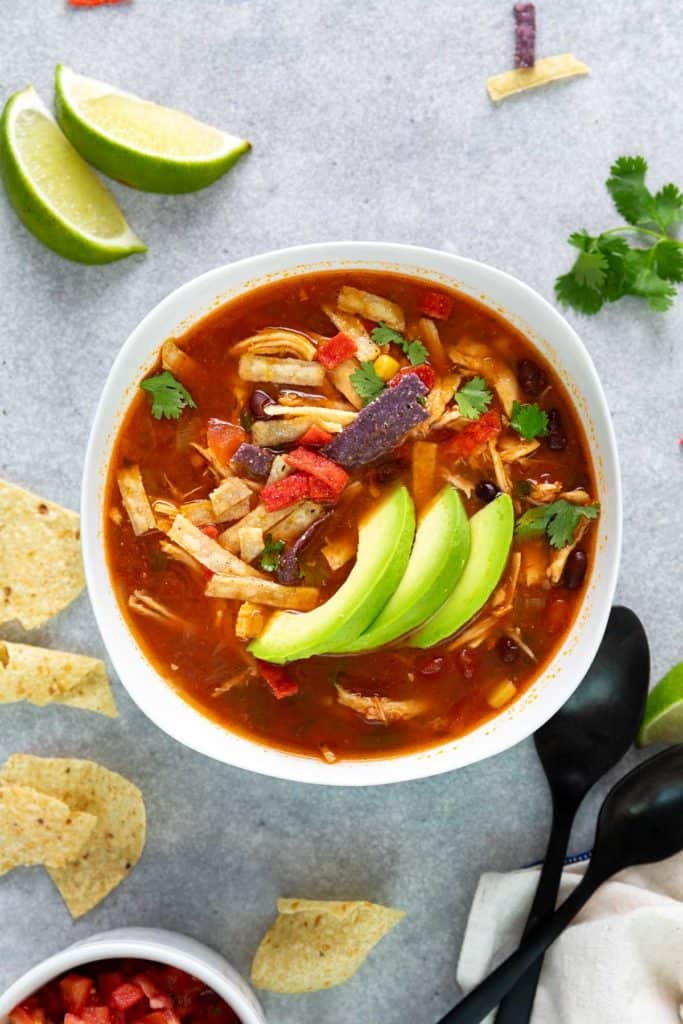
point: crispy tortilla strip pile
(116, 842)
(37, 829)
(316, 944)
(54, 677)
(40, 557)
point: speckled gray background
(369, 120)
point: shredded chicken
(534, 563)
(251, 618)
(513, 451)
(477, 633)
(179, 555)
(461, 482)
(502, 478)
(240, 679)
(215, 465)
(515, 633)
(429, 335)
(144, 604)
(380, 709)
(577, 497)
(559, 558)
(479, 358)
(199, 512)
(178, 362)
(436, 404)
(504, 597)
(277, 341)
(353, 328)
(341, 378)
(545, 491)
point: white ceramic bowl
(553, 337)
(144, 944)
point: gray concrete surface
(369, 121)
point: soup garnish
(350, 515)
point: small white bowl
(552, 336)
(144, 944)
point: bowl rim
(252, 754)
(153, 944)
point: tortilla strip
(232, 493)
(353, 328)
(135, 500)
(330, 413)
(548, 69)
(118, 838)
(206, 550)
(373, 307)
(316, 944)
(258, 516)
(200, 511)
(45, 677)
(38, 829)
(40, 557)
(261, 591)
(281, 371)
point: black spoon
(577, 747)
(641, 822)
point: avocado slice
(491, 529)
(442, 545)
(385, 538)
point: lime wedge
(663, 718)
(140, 143)
(57, 196)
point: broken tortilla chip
(316, 944)
(118, 839)
(40, 557)
(45, 677)
(38, 829)
(548, 69)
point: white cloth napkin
(619, 962)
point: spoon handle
(517, 1006)
(486, 996)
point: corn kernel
(501, 694)
(386, 367)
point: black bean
(532, 379)
(486, 491)
(258, 401)
(508, 650)
(575, 569)
(556, 439)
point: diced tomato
(97, 1015)
(126, 996)
(475, 435)
(157, 998)
(282, 493)
(27, 1014)
(315, 436)
(323, 469)
(72, 1018)
(76, 990)
(223, 439)
(334, 351)
(108, 981)
(437, 305)
(210, 531)
(160, 1017)
(278, 680)
(423, 371)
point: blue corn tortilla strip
(525, 35)
(257, 460)
(379, 427)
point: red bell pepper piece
(315, 436)
(320, 491)
(437, 305)
(334, 351)
(278, 680)
(224, 439)
(423, 371)
(127, 995)
(325, 470)
(282, 493)
(475, 435)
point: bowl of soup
(352, 513)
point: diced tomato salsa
(124, 992)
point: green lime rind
(663, 718)
(147, 172)
(41, 219)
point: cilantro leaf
(529, 420)
(169, 396)
(627, 187)
(558, 521)
(473, 398)
(367, 382)
(270, 556)
(668, 258)
(414, 350)
(669, 203)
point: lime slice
(663, 718)
(140, 143)
(57, 196)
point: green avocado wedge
(440, 551)
(491, 538)
(385, 538)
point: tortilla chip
(118, 839)
(316, 944)
(37, 829)
(40, 557)
(548, 69)
(45, 677)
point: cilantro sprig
(415, 351)
(367, 382)
(473, 398)
(607, 267)
(270, 556)
(169, 396)
(529, 420)
(558, 520)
